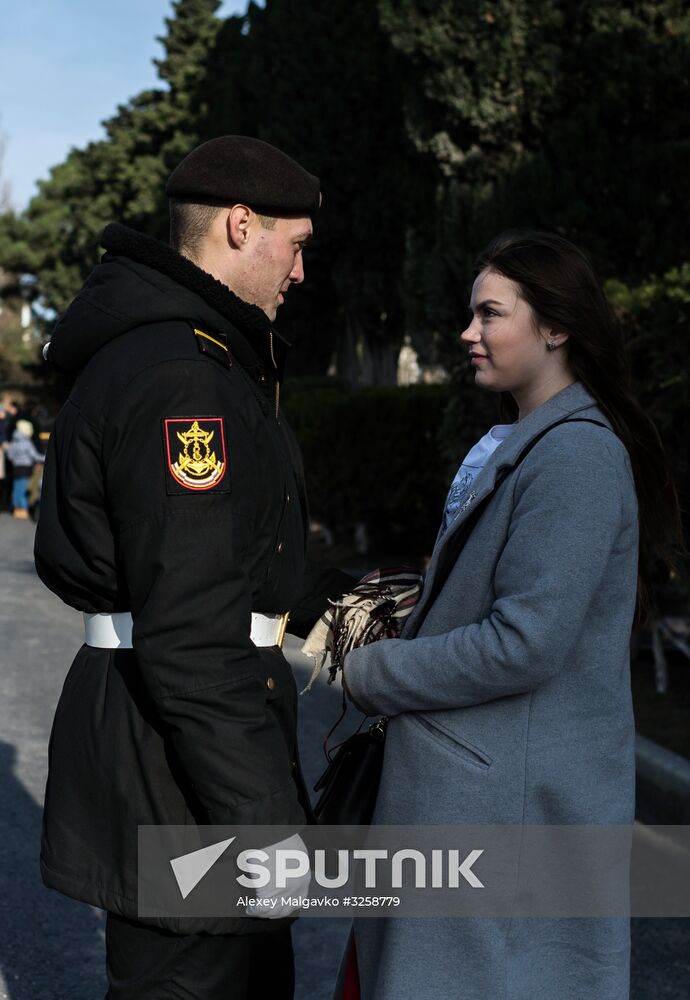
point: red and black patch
(196, 455)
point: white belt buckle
(268, 630)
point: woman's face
(507, 346)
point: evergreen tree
(121, 177)
(321, 81)
(431, 125)
(569, 116)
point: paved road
(51, 948)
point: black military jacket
(173, 489)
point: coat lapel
(567, 402)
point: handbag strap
(458, 542)
(329, 752)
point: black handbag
(350, 783)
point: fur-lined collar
(161, 257)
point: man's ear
(238, 225)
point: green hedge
(373, 456)
(656, 319)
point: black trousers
(147, 963)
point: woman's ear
(555, 339)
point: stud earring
(551, 345)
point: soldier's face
(275, 262)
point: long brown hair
(558, 281)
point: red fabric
(351, 990)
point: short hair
(189, 224)
(191, 221)
(267, 221)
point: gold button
(270, 683)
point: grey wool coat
(510, 703)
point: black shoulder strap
(454, 549)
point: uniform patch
(196, 454)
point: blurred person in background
(3, 464)
(10, 414)
(508, 693)
(23, 455)
(42, 423)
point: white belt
(115, 631)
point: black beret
(237, 168)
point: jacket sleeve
(189, 566)
(322, 584)
(566, 519)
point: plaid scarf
(376, 608)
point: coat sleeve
(567, 516)
(189, 566)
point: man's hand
(271, 907)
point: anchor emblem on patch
(196, 453)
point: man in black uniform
(174, 516)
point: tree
(432, 127)
(15, 348)
(5, 192)
(122, 176)
(564, 116)
(334, 104)
(478, 87)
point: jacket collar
(223, 305)
(573, 400)
(121, 240)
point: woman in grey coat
(508, 693)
